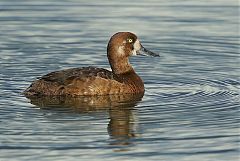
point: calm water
(190, 110)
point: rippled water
(190, 110)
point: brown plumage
(97, 81)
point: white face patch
(136, 47)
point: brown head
(120, 47)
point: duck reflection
(122, 124)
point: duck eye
(130, 40)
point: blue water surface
(190, 110)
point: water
(190, 110)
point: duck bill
(145, 52)
(140, 50)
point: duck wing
(63, 77)
(74, 81)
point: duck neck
(121, 66)
(118, 60)
(123, 70)
(131, 79)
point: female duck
(97, 81)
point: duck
(93, 81)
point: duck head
(121, 46)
